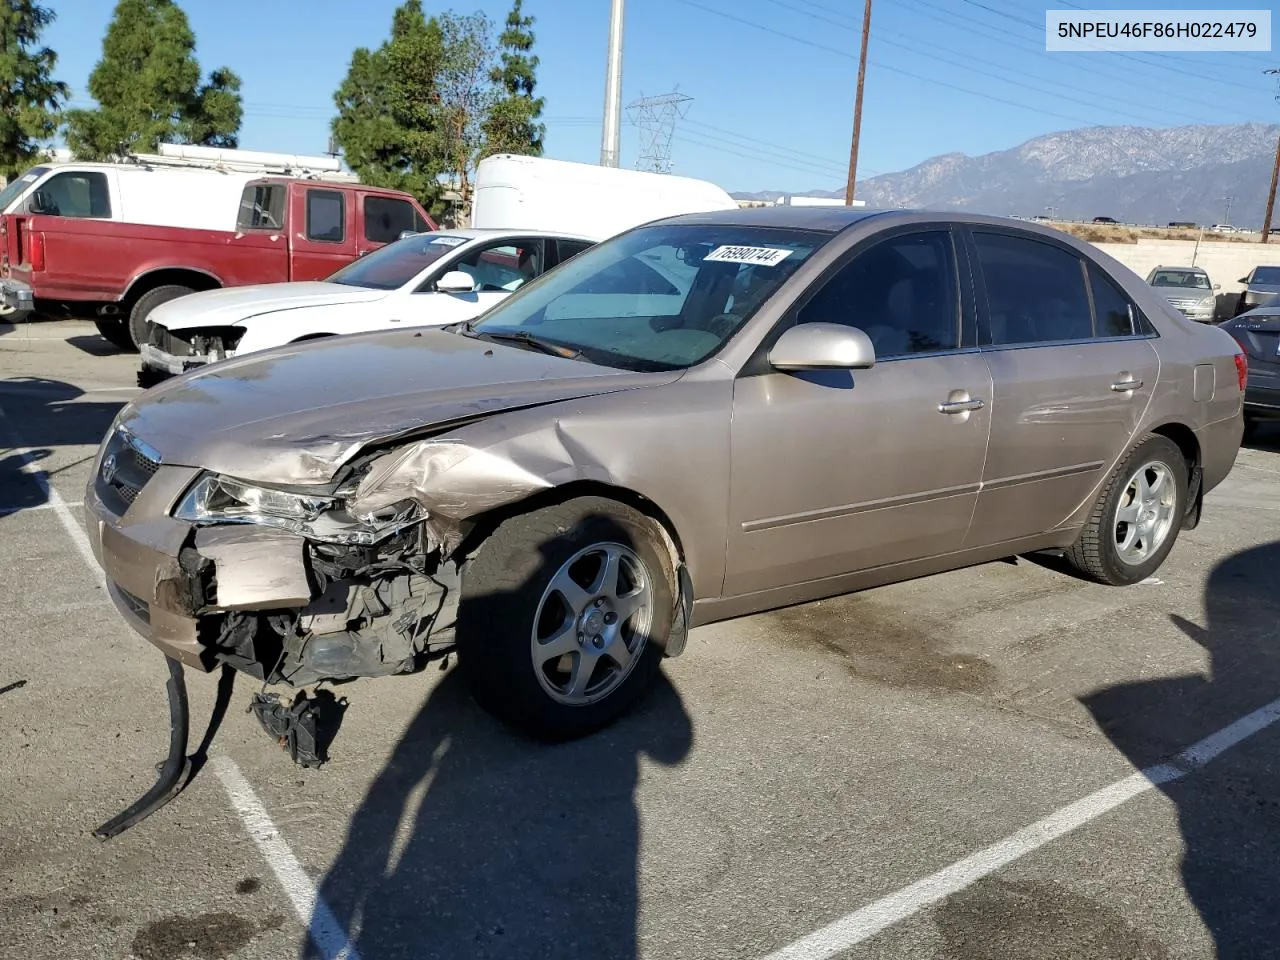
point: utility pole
(1271, 195)
(857, 107)
(1226, 215)
(1275, 172)
(611, 135)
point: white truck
(534, 193)
(180, 186)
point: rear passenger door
(321, 234)
(1073, 369)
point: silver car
(703, 417)
(1188, 289)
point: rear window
(392, 266)
(262, 207)
(385, 218)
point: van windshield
(16, 186)
(663, 297)
(1180, 278)
(392, 266)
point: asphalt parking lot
(850, 778)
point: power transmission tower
(656, 117)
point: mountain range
(1134, 174)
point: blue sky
(771, 81)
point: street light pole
(857, 107)
(611, 134)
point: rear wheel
(115, 330)
(564, 615)
(1137, 518)
(139, 326)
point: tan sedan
(704, 417)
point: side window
(385, 218)
(566, 249)
(901, 293)
(420, 224)
(326, 216)
(1111, 308)
(503, 266)
(1035, 292)
(262, 207)
(73, 194)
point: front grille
(124, 471)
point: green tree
(147, 86)
(388, 122)
(29, 96)
(465, 94)
(512, 125)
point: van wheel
(115, 331)
(564, 615)
(139, 327)
(1137, 518)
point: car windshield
(392, 266)
(662, 297)
(1266, 275)
(1180, 278)
(17, 185)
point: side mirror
(405, 234)
(1243, 280)
(455, 281)
(38, 203)
(1217, 286)
(822, 346)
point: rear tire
(139, 326)
(1137, 518)
(525, 634)
(115, 331)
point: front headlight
(216, 499)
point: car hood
(228, 306)
(294, 415)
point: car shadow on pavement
(1229, 811)
(41, 414)
(476, 842)
(95, 345)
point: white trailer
(534, 193)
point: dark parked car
(1261, 288)
(1258, 333)
(1105, 220)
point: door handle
(960, 406)
(1126, 386)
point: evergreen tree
(29, 96)
(512, 125)
(148, 88)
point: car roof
(492, 233)
(1181, 270)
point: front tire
(564, 615)
(139, 326)
(1136, 520)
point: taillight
(1242, 370)
(37, 250)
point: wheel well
(1184, 437)
(488, 522)
(195, 279)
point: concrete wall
(1225, 263)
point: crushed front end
(168, 353)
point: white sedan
(427, 279)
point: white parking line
(325, 931)
(865, 923)
(54, 499)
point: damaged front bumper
(157, 361)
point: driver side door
(835, 472)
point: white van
(181, 186)
(534, 193)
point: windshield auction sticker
(1206, 31)
(757, 256)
